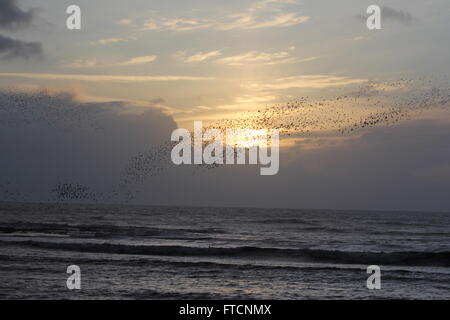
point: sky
(142, 68)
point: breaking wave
(404, 258)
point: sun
(247, 138)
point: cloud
(103, 78)
(102, 42)
(294, 60)
(247, 102)
(403, 17)
(177, 24)
(261, 14)
(269, 58)
(197, 57)
(124, 22)
(12, 48)
(308, 81)
(390, 14)
(138, 60)
(265, 14)
(82, 63)
(249, 21)
(257, 57)
(268, 4)
(93, 63)
(12, 17)
(254, 56)
(49, 139)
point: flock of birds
(72, 191)
(367, 107)
(54, 110)
(372, 104)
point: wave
(104, 231)
(405, 258)
(287, 221)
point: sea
(159, 253)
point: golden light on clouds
(104, 78)
(247, 138)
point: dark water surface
(137, 252)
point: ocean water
(138, 252)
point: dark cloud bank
(48, 140)
(12, 48)
(13, 18)
(53, 140)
